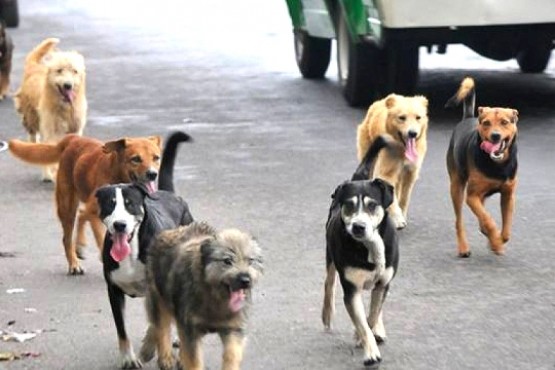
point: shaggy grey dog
(201, 279)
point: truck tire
(400, 69)
(9, 12)
(358, 66)
(312, 54)
(535, 56)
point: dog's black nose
(412, 134)
(119, 226)
(495, 137)
(244, 281)
(359, 229)
(67, 86)
(151, 175)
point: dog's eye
(156, 158)
(418, 118)
(126, 202)
(403, 118)
(504, 122)
(113, 201)
(59, 71)
(486, 123)
(228, 261)
(136, 159)
(371, 206)
(74, 71)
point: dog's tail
(45, 47)
(41, 154)
(363, 170)
(467, 95)
(165, 178)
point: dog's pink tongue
(237, 300)
(120, 247)
(69, 95)
(410, 151)
(490, 147)
(151, 186)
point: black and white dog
(133, 217)
(362, 246)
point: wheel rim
(342, 51)
(299, 47)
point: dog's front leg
(375, 319)
(487, 224)
(329, 295)
(233, 343)
(128, 360)
(190, 348)
(507, 210)
(355, 308)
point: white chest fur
(130, 275)
(364, 279)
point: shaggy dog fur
(6, 51)
(86, 164)
(403, 121)
(481, 161)
(201, 279)
(51, 99)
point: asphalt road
(269, 149)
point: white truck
(378, 41)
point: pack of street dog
(200, 279)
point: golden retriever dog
(403, 121)
(51, 99)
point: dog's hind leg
(190, 349)
(328, 308)
(67, 203)
(81, 239)
(233, 343)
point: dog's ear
(390, 100)
(114, 146)
(387, 191)
(515, 116)
(423, 100)
(206, 250)
(157, 140)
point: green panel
(356, 16)
(296, 13)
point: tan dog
(84, 165)
(482, 159)
(201, 279)
(51, 99)
(403, 121)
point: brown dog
(84, 165)
(403, 121)
(482, 158)
(6, 51)
(51, 99)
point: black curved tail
(165, 177)
(363, 170)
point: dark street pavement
(269, 149)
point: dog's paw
(464, 254)
(379, 333)
(80, 251)
(372, 362)
(47, 180)
(129, 361)
(166, 362)
(76, 270)
(399, 221)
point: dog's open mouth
(495, 150)
(120, 246)
(237, 299)
(67, 94)
(149, 185)
(410, 148)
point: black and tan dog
(201, 279)
(482, 158)
(6, 52)
(133, 216)
(362, 247)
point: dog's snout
(119, 226)
(67, 86)
(495, 137)
(244, 281)
(151, 175)
(412, 134)
(359, 229)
